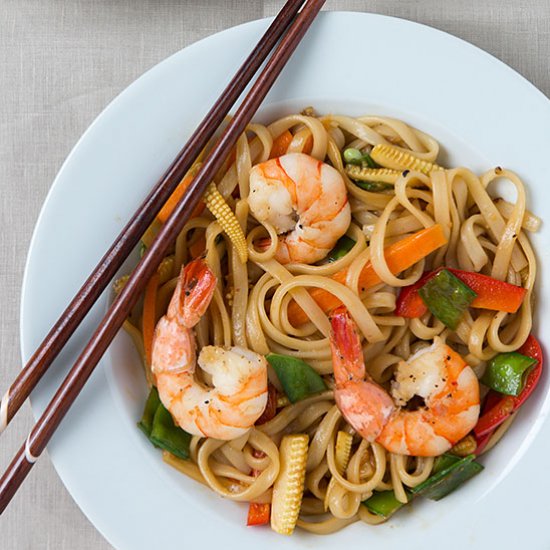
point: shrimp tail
(347, 355)
(193, 293)
(363, 403)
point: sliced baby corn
(342, 451)
(392, 157)
(465, 446)
(227, 219)
(119, 284)
(342, 454)
(289, 486)
(385, 175)
(165, 269)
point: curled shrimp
(305, 200)
(437, 374)
(238, 394)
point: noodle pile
(250, 306)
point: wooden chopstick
(111, 262)
(120, 308)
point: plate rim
(120, 98)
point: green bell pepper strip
(354, 156)
(383, 503)
(506, 373)
(151, 406)
(343, 246)
(298, 379)
(502, 406)
(447, 297)
(166, 435)
(448, 479)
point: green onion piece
(506, 373)
(354, 156)
(166, 435)
(151, 406)
(373, 186)
(447, 297)
(142, 249)
(343, 246)
(383, 503)
(298, 379)
(447, 480)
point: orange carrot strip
(308, 145)
(399, 256)
(280, 144)
(174, 198)
(149, 318)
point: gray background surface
(61, 62)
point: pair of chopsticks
(289, 27)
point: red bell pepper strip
(258, 513)
(531, 348)
(271, 406)
(482, 442)
(507, 404)
(409, 303)
(491, 399)
(494, 417)
(491, 294)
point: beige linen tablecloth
(61, 62)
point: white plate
(483, 113)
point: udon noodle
(251, 305)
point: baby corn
(466, 446)
(392, 157)
(289, 486)
(385, 175)
(165, 269)
(343, 450)
(227, 219)
(119, 284)
(341, 458)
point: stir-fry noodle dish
(343, 326)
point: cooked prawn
(364, 404)
(305, 200)
(437, 374)
(238, 395)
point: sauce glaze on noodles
(250, 306)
